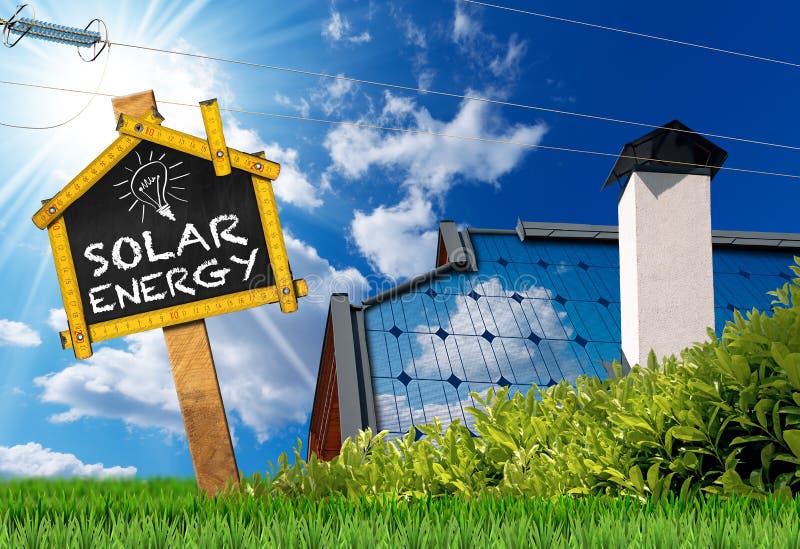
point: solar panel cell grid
(536, 312)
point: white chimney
(666, 272)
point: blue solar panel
(742, 279)
(536, 312)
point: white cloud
(339, 88)
(400, 240)
(33, 460)
(57, 319)
(266, 363)
(509, 63)
(132, 384)
(302, 107)
(413, 33)
(293, 185)
(18, 334)
(464, 27)
(483, 49)
(415, 36)
(337, 29)
(398, 109)
(425, 76)
(428, 162)
(334, 95)
(323, 279)
(362, 38)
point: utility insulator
(71, 36)
(16, 28)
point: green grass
(168, 513)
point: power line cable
(73, 117)
(423, 132)
(449, 94)
(85, 38)
(639, 34)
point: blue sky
(358, 205)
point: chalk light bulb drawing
(150, 185)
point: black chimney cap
(672, 148)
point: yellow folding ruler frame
(133, 131)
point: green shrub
(723, 419)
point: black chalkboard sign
(161, 229)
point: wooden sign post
(162, 230)
(201, 405)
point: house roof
(441, 333)
(529, 229)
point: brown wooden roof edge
(353, 373)
(322, 409)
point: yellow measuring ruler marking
(276, 246)
(195, 146)
(78, 333)
(90, 175)
(178, 314)
(212, 121)
(84, 181)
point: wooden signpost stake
(201, 405)
(165, 229)
(193, 370)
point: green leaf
(747, 397)
(761, 409)
(663, 404)
(705, 388)
(776, 421)
(788, 458)
(756, 480)
(792, 439)
(689, 434)
(741, 369)
(750, 438)
(790, 363)
(500, 436)
(653, 479)
(636, 477)
(689, 460)
(634, 421)
(732, 483)
(767, 452)
(686, 488)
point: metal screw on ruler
(79, 337)
(220, 154)
(286, 291)
(138, 128)
(51, 210)
(258, 166)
